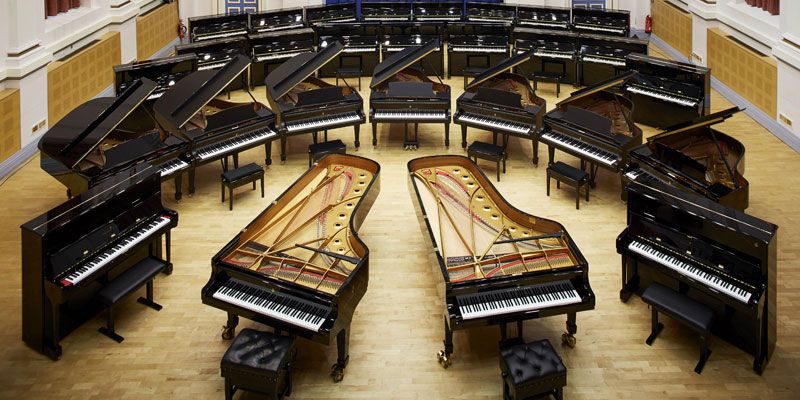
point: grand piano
(515, 267)
(164, 71)
(595, 125)
(697, 158)
(305, 104)
(106, 135)
(273, 48)
(714, 254)
(502, 102)
(72, 251)
(555, 51)
(403, 94)
(543, 17)
(602, 21)
(603, 56)
(219, 26)
(215, 53)
(216, 128)
(667, 92)
(300, 266)
(276, 20)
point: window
(240, 6)
(55, 7)
(771, 6)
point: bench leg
(655, 329)
(148, 301)
(705, 352)
(108, 330)
(463, 136)
(498, 170)
(559, 394)
(230, 194)
(229, 389)
(222, 186)
(548, 185)
(578, 198)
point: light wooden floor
(397, 327)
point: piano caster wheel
(337, 373)
(568, 340)
(444, 359)
(227, 333)
(374, 142)
(758, 367)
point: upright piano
(502, 102)
(300, 266)
(331, 13)
(514, 267)
(476, 45)
(216, 128)
(602, 21)
(714, 254)
(443, 11)
(595, 125)
(697, 158)
(106, 135)
(386, 11)
(398, 36)
(603, 56)
(404, 94)
(491, 12)
(543, 17)
(218, 26)
(273, 48)
(276, 20)
(361, 46)
(72, 251)
(164, 71)
(668, 92)
(215, 53)
(305, 104)
(554, 50)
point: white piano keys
(662, 96)
(604, 60)
(212, 65)
(217, 35)
(322, 123)
(173, 166)
(400, 115)
(495, 124)
(526, 298)
(581, 148)
(479, 49)
(599, 28)
(277, 56)
(553, 54)
(235, 143)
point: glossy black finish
(361, 46)
(216, 26)
(444, 11)
(602, 56)
(471, 44)
(544, 17)
(276, 20)
(723, 242)
(603, 21)
(491, 12)
(555, 51)
(272, 48)
(386, 11)
(331, 13)
(214, 53)
(58, 242)
(164, 71)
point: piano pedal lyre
(444, 359)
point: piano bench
(531, 369)
(259, 362)
(489, 152)
(348, 72)
(570, 175)
(547, 76)
(234, 178)
(319, 150)
(683, 309)
(472, 72)
(143, 272)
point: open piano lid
(498, 69)
(607, 84)
(296, 69)
(402, 60)
(707, 120)
(187, 97)
(76, 135)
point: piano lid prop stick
(538, 237)
(352, 260)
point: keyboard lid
(585, 118)
(402, 60)
(499, 68)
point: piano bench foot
(110, 333)
(654, 334)
(568, 339)
(444, 359)
(150, 303)
(702, 362)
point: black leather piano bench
(319, 150)
(144, 272)
(547, 76)
(689, 312)
(234, 178)
(489, 152)
(259, 362)
(570, 175)
(531, 370)
(471, 72)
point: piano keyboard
(439, 18)
(603, 60)
(690, 271)
(322, 122)
(433, 115)
(632, 175)
(232, 144)
(278, 27)
(658, 95)
(553, 54)
(360, 49)
(584, 149)
(220, 35)
(479, 49)
(495, 124)
(600, 28)
(277, 56)
(172, 166)
(212, 65)
(156, 95)
(488, 19)
(121, 247)
(398, 48)
(527, 298)
(545, 23)
(278, 305)
(386, 18)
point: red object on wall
(74, 3)
(51, 7)
(63, 6)
(648, 24)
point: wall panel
(673, 25)
(156, 29)
(9, 123)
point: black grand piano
(273, 48)
(603, 56)
(403, 94)
(164, 71)
(215, 53)
(502, 102)
(491, 12)
(216, 128)
(106, 135)
(697, 158)
(554, 51)
(72, 251)
(219, 26)
(305, 104)
(276, 20)
(331, 13)
(667, 92)
(602, 21)
(711, 253)
(544, 17)
(595, 125)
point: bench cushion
(327, 147)
(528, 362)
(241, 172)
(568, 171)
(348, 71)
(258, 351)
(691, 312)
(472, 71)
(486, 149)
(130, 280)
(547, 75)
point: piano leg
(568, 338)
(283, 148)
(178, 186)
(535, 147)
(446, 134)
(50, 347)
(268, 153)
(343, 356)
(628, 284)
(167, 247)
(229, 329)
(463, 136)
(314, 137)
(191, 182)
(551, 152)
(356, 132)
(374, 133)
(444, 355)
